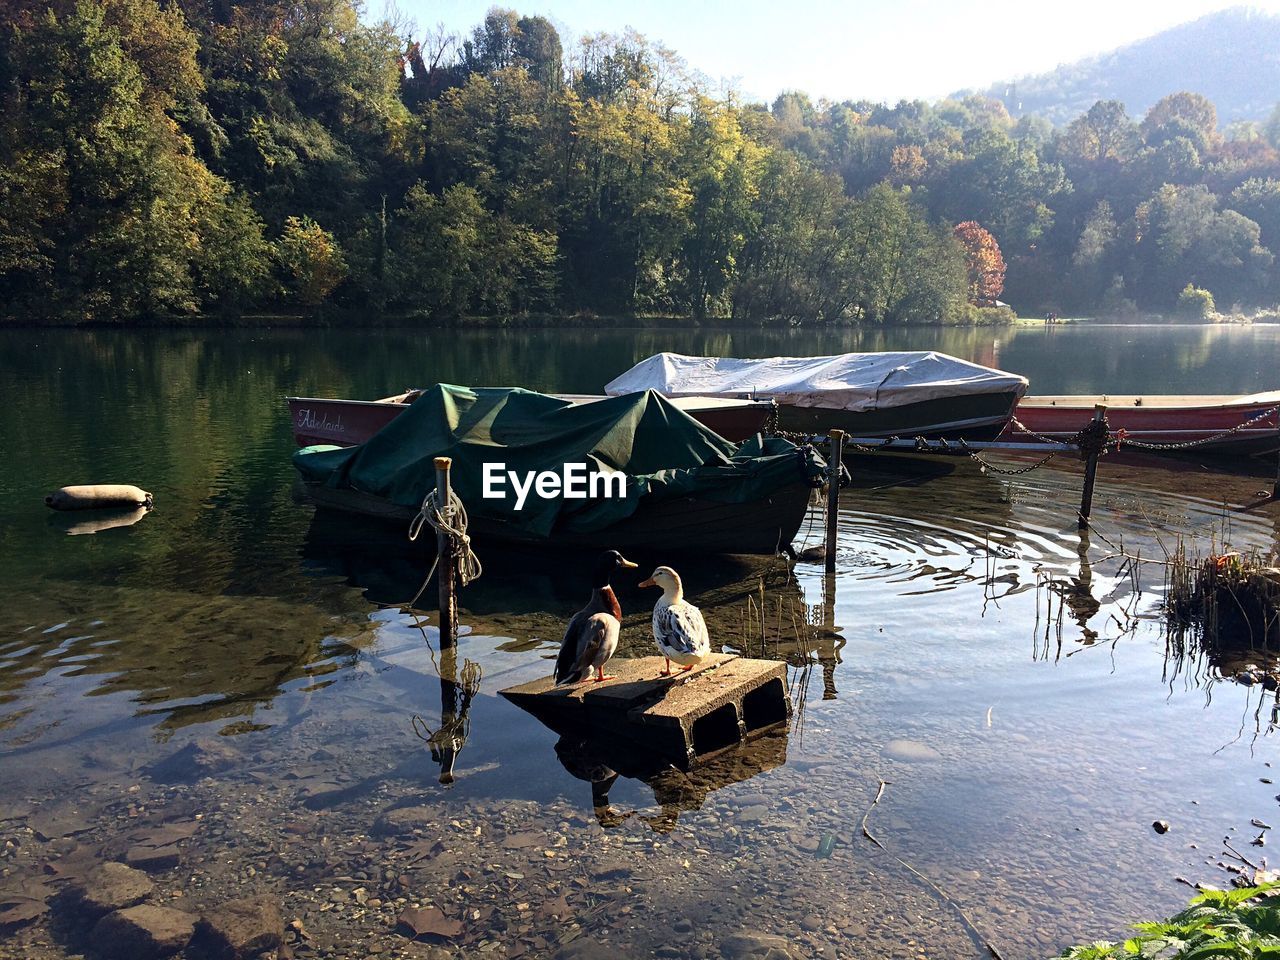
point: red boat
(1226, 426)
(348, 422)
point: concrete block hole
(717, 730)
(765, 706)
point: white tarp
(850, 381)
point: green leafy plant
(1237, 924)
(1196, 303)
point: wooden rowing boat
(1215, 425)
(348, 422)
(684, 488)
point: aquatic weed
(1242, 923)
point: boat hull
(341, 422)
(1197, 420)
(685, 526)
(349, 422)
(971, 417)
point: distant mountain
(1232, 57)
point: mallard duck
(677, 624)
(592, 635)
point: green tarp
(663, 451)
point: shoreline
(352, 320)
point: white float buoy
(97, 496)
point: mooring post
(834, 466)
(1275, 490)
(1097, 443)
(445, 558)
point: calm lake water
(226, 692)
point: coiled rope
(453, 523)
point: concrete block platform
(686, 717)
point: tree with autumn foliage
(984, 261)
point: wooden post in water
(1091, 468)
(1275, 490)
(445, 574)
(834, 464)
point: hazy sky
(880, 50)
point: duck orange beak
(646, 583)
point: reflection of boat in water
(1162, 420)
(600, 761)
(381, 560)
(651, 477)
(906, 394)
(348, 422)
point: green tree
(1258, 199)
(1104, 133)
(1183, 238)
(310, 260)
(494, 134)
(1182, 114)
(120, 215)
(903, 269)
(722, 172)
(1095, 260)
(791, 266)
(451, 256)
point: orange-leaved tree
(984, 261)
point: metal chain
(883, 445)
(1072, 441)
(770, 428)
(1196, 443)
(1113, 441)
(1116, 439)
(987, 465)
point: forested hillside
(1232, 57)
(209, 157)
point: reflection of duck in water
(592, 635)
(578, 756)
(601, 760)
(678, 626)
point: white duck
(677, 624)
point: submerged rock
(405, 820)
(240, 929)
(749, 945)
(910, 751)
(153, 858)
(199, 758)
(145, 932)
(585, 949)
(108, 887)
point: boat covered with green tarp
(684, 488)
